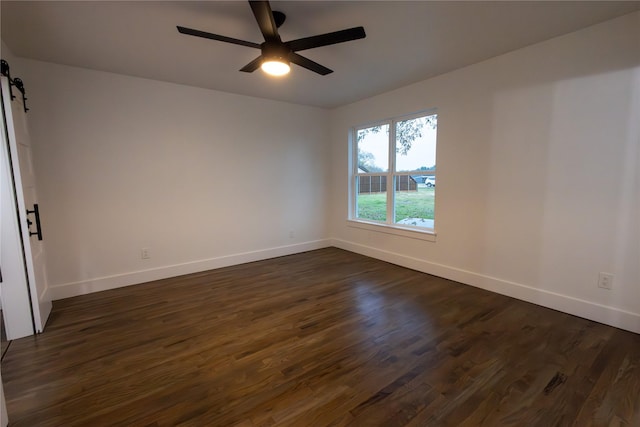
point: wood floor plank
(322, 338)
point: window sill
(396, 230)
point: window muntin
(394, 175)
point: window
(393, 173)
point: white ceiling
(406, 41)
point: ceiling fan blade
(327, 39)
(264, 17)
(253, 65)
(203, 34)
(309, 64)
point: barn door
(26, 202)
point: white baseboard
(589, 310)
(67, 290)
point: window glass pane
(373, 149)
(416, 144)
(414, 202)
(371, 197)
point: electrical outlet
(144, 253)
(292, 234)
(605, 280)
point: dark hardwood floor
(326, 337)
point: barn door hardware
(36, 213)
(7, 73)
(18, 83)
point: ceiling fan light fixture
(275, 60)
(275, 67)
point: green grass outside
(409, 204)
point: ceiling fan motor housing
(275, 51)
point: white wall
(200, 178)
(7, 54)
(538, 173)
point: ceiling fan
(276, 54)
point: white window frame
(388, 226)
